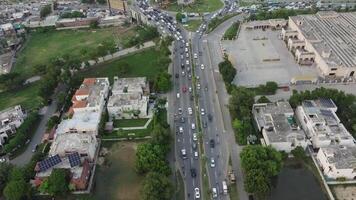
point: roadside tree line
(231, 32)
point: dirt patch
(117, 179)
(344, 192)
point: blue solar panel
(49, 162)
(74, 159)
(327, 103)
(326, 113)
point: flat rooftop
(278, 121)
(341, 156)
(332, 35)
(129, 85)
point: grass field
(40, 48)
(117, 179)
(130, 122)
(139, 133)
(27, 97)
(193, 25)
(198, 6)
(144, 63)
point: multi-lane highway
(194, 107)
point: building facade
(10, 120)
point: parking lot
(260, 56)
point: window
(331, 74)
(333, 69)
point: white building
(129, 98)
(338, 161)
(321, 124)
(278, 126)
(10, 120)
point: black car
(194, 146)
(205, 125)
(212, 143)
(177, 75)
(210, 117)
(182, 120)
(193, 172)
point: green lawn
(144, 63)
(199, 6)
(193, 25)
(42, 47)
(27, 97)
(121, 123)
(124, 133)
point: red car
(184, 89)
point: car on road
(195, 137)
(178, 95)
(184, 153)
(181, 57)
(198, 86)
(196, 155)
(180, 129)
(190, 89)
(177, 75)
(197, 77)
(187, 55)
(205, 125)
(193, 172)
(212, 143)
(202, 66)
(195, 56)
(187, 44)
(190, 111)
(210, 117)
(212, 162)
(189, 76)
(193, 126)
(183, 73)
(184, 89)
(182, 120)
(187, 62)
(202, 111)
(186, 50)
(214, 193)
(196, 193)
(194, 145)
(180, 111)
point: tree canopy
(57, 183)
(155, 186)
(227, 70)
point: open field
(139, 133)
(130, 122)
(144, 63)
(117, 179)
(199, 6)
(26, 97)
(41, 47)
(193, 25)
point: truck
(224, 186)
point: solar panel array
(327, 113)
(327, 103)
(49, 162)
(74, 159)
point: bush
(231, 32)
(74, 14)
(227, 71)
(45, 11)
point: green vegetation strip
(198, 6)
(231, 32)
(122, 123)
(192, 25)
(219, 20)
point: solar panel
(308, 104)
(74, 159)
(326, 113)
(49, 162)
(328, 103)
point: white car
(214, 193)
(178, 95)
(187, 44)
(202, 111)
(187, 55)
(212, 163)
(180, 111)
(183, 73)
(184, 154)
(202, 66)
(197, 77)
(190, 111)
(193, 126)
(186, 50)
(190, 89)
(180, 129)
(198, 86)
(181, 57)
(196, 155)
(195, 137)
(196, 193)
(195, 56)
(187, 62)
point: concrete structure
(112, 20)
(271, 23)
(129, 98)
(320, 123)
(7, 29)
(118, 5)
(326, 38)
(278, 126)
(10, 120)
(338, 161)
(332, 4)
(76, 22)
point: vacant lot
(193, 25)
(199, 6)
(250, 54)
(26, 97)
(41, 47)
(144, 63)
(117, 180)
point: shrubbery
(231, 32)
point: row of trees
(45, 11)
(217, 21)
(260, 165)
(74, 14)
(227, 71)
(143, 34)
(280, 13)
(346, 104)
(231, 32)
(151, 160)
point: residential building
(337, 161)
(7, 29)
(333, 4)
(326, 39)
(263, 24)
(278, 126)
(129, 98)
(10, 120)
(320, 123)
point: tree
(162, 82)
(52, 122)
(5, 168)
(151, 157)
(45, 10)
(299, 153)
(240, 103)
(161, 136)
(179, 17)
(11, 81)
(156, 186)
(40, 69)
(263, 99)
(242, 130)
(94, 24)
(227, 71)
(101, 2)
(58, 182)
(257, 182)
(17, 190)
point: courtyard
(260, 56)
